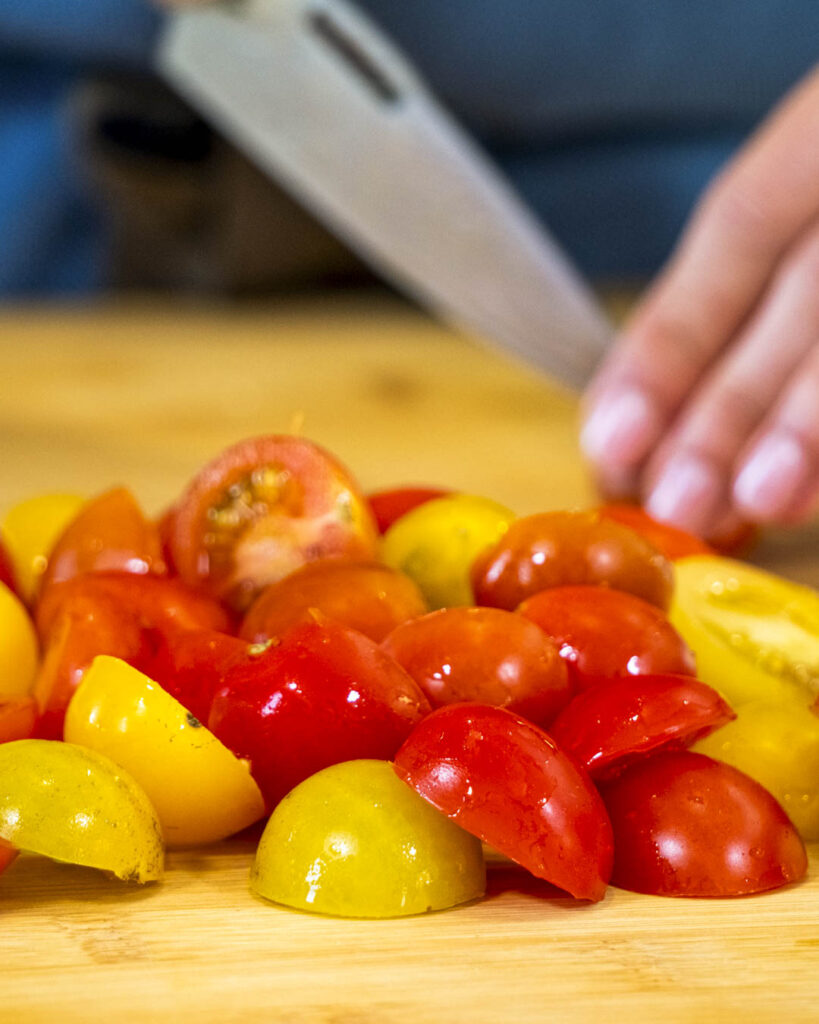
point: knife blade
(316, 95)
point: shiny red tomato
(485, 655)
(366, 596)
(262, 509)
(387, 506)
(603, 633)
(322, 695)
(504, 780)
(17, 718)
(109, 533)
(554, 549)
(685, 825)
(7, 574)
(669, 540)
(620, 720)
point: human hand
(707, 407)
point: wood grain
(143, 395)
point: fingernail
(621, 427)
(686, 494)
(772, 476)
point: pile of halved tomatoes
(395, 680)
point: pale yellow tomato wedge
(76, 805)
(18, 647)
(353, 840)
(30, 529)
(201, 791)
(436, 543)
(755, 636)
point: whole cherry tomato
(387, 506)
(602, 633)
(322, 695)
(504, 780)
(262, 509)
(685, 825)
(17, 718)
(554, 549)
(618, 721)
(669, 540)
(366, 596)
(485, 655)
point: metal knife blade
(316, 95)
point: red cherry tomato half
(7, 574)
(322, 695)
(603, 633)
(619, 720)
(504, 780)
(669, 540)
(17, 718)
(109, 533)
(262, 509)
(366, 596)
(686, 825)
(554, 549)
(387, 506)
(485, 655)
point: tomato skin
(617, 721)
(505, 780)
(686, 825)
(553, 549)
(17, 718)
(19, 647)
(7, 574)
(485, 655)
(322, 695)
(109, 532)
(603, 633)
(261, 509)
(8, 854)
(671, 541)
(389, 505)
(366, 596)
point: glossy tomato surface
(366, 596)
(486, 655)
(620, 720)
(505, 780)
(686, 825)
(19, 648)
(554, 549)
(30, 530)
(322, 695)
(669, 540)
(389, 505)
(604, 633)
(260, 510)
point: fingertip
(772, 482)
(620, 428)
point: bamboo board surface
(143, 395)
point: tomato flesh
(686, 825)
(503, 779)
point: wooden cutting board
(143, 395)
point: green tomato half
(354, 840)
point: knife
(315, 94)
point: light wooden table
(143, 395)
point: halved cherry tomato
(263, 508)
(366, 596)
(485, 655)
(387, 506)
(17, 718)
(504, 780)
(109, 532)
(603, 633)
(670, 540)
(30, 529)
(685, 825)
(322, 695)
(554, 549)
(618, 721)
(18, 646)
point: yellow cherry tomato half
(202, 792)
(353, 840)
(778, 745)
(755, 635)
(30, 529)
(77, 806)
(18, 647)
(437, 542)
